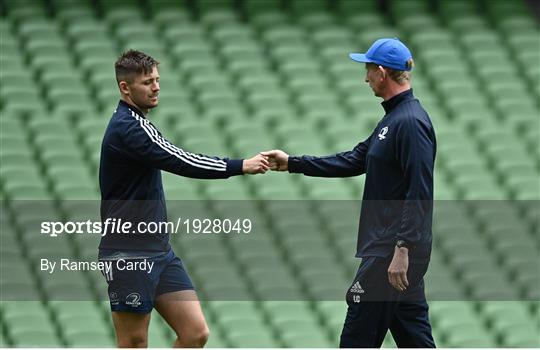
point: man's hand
(279, 160)
(256, 165)
(397, 271)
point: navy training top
(398, 160)
(132, 154)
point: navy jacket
(398, 160)
(132, 154)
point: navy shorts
(134, 284)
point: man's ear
(124, 88)
(382, 71)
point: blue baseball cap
(387, 52)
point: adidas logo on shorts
(356, 288)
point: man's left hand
(397, 271)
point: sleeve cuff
(234, 167)
(295, 165)
(410, 244)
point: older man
(394, 238)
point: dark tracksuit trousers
(376, 307)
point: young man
(132, 154)
(394, 238)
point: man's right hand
(256, 165)
(279, 160)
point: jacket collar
(133, 108)
(392, 103)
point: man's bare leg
(183, 313)
(131, 329)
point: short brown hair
(400, 76)
(133, 62)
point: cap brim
(360, 57)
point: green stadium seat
(189, 33)
(466, 23)
(231, 190)
(127, 30)
(43, 245)
(416, 22)
(303, 7)
(316, 19)
(66, 14)
(88, 338)
(481, 41)
(37, 339)
(168, 13)
(168, 5)
(243, 52)
(77, 192)
(331, 310)
(406, 7)
(233, 33)
(332, 36)
(216, 18)
(331, 190)
(517, 25)
(470, 336)
(211, 83)
(16, 272)
(40, 27)
(507, 316)
(244, 247)
(230, 310)
(118, 15)
(48, 47)
(25, 191)
(254, 7)
(118, 5)
(368, 36)
(27, 13)
(523, 44)
(18, 80)
(86, 330)
(20, 291)
(26, 326)
(12, 62)
(527, 337)
(348, 7)
(253, 336)
(269, 19)
(205, 6)
(86, 29)
(499, 10)
(158, 335)
(312, 339)
(360, 21)
(434, 39)
(284, 35)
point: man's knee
(133, 340)
(200, 336)
(195, 338)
